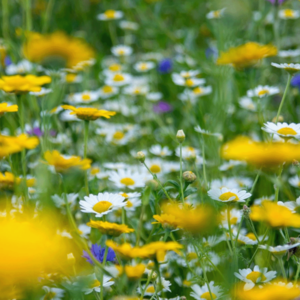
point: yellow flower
(89, 113)
(274, 215)
(195, 220)
(62, 163)
(267, 292)
(8, 180)
(260, 153)
(153, 250)
(7, 146)
(246, 55)
(25, 142)
(5, 108)
(23, 84)
(135, 272)
(110, 228)
(71, 52)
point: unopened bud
(295, 162)
(153, 275)
(280, 119)
(246, 210)
(152, 184)
(180, 136)
(189, 176)
(71, 258)
(140, 156)
(182, 298)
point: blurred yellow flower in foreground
(29, 248)
(132, 272)
(71, 52)
(246, 55)
(63, 163)
(271, 291)
(5, 108)
(22, 84)
(260, 153)
(110, 228)
(274, 215)
(8, 180)
(152, 250)
(193, 219)
(89, 113)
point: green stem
(5, 20)
(112, 33)
(140, 225)
(229, 228)
(204, 164)
(20, 100)
(86, 133)
(284, 96)
(259, 242)
(297, 273)
(103, 264)
(147, 283)
(277, 185)
(181, 177)
(27, 8)
(282, 267)
(47, 15)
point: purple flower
(98, 253)
(296, 81)
(7, 61)
(278, 2)
(36, 131)
(162, 107)
(165, 66)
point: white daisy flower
(118, 79)
(160, 151)
(247, 103)
(188, 152)
(84, 230)
(61, 138)
(195, 93)
(289, 53)
(295, 181)
(95, 285)
(107, 91)
(279, 250)
(262, 91)
(121, 50)
(60, 200)
(71, 78)
(288, 14)
(190, 73)
(115, 166)
(248, 239)
(110, 15)
(215, 14)
(156, 166)
(112, 68)
(95, 171)
(41, 93)
(133, 200)
(188, 82)
(171, 166)
(127, 178)
(255, 276)
(291, 68)
(230, 165)
(144, 66)
(235, 217)
(101, 204)
(127, 25)
(53, 293)
(284, 130)
(206, 132)
(228, 195)
(24, 66)
(154, 96)
(203, 292)
(84, 97)
(136, 90)
(151, 288)
(264, 198)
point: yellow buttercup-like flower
(25, 142)
(260, 153)
(246, 55)
(58, 47)
(22, 84)
(274, 215)
(5, 108)
(89, 113)
(110, 228)
(152, 250)
(8, 180)
(62, 163)
(135, 272)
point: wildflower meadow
(150, 149)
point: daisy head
(84, 97)
(288, 14)
(291, 68)
(101, 204)
(126, 178)
(203, 292)
(144, 66)
(159, 150)
(263, 91)
(118, 79)
(121, 50)
(132, 200)
(280, 250)
(284, 130)
(110, 15)
(228, 195)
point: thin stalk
(282, 267)
(284, 96)
(112, 33)
(27, 8)
(253, 229)
(86, 133)
(229, 227)
(297, 273)
(204, 164)
(160, 281)
(259, 242)
(5, 20)
(103, 264)
(140, 225)
(47, 15)
(181, 177)
(147, 283)
(277, 186)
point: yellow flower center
(287, 131)
(49, 296)
(114, 67)
(137, 91)
(107, 89)
(288, 13)
(129, 203)
(102, 206)
(186, 283)
(206, 296)
(189, 82)
(118, 135)
(216, 14)
(118, 77)
(263, 92)
(95, 171)
(191, 149)
(191, 256)
(143, 67)
(226, 196)
(110, 14)
(197, 90)
(95, 283)
(70, 77)
(86, 97)
(155, 169)
(251, 236)
(233, 220)
(150, 289)
(121, 52)
(125, 195)
(253, 276)
(127, 181)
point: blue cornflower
(98, 253)
(296, 81)
(165, 66)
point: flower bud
(295, 162)
(189, 176)
(152, 184)
(280, 119)
(153, 276)
(246, 211)
(140, 156)
(180, 136)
